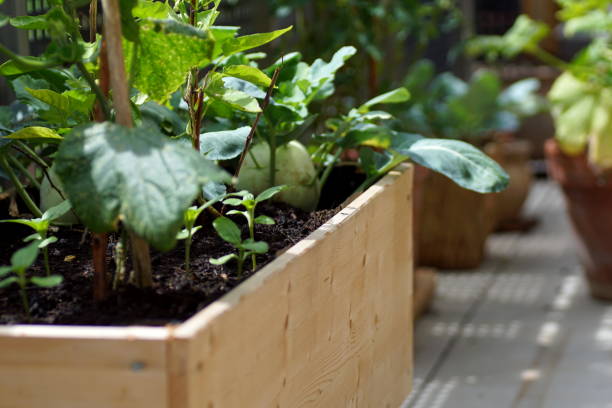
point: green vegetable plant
(445, 106)
(21, 260)
(230, 232)
(249, 202)
(581, 97)
(41, 227)
(190, 228)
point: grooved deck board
(520, 331)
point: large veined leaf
(248, 73)
(224, 145)
(138, 176)
(461, 162)
(166, 52)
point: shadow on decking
(521, 331)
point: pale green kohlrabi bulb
(294, 168)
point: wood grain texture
(327, 324)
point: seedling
(229, 232)
(41, 226)
(190, 218)
(20, 262)
(249, 202)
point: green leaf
(228, 230)
(214, 191)
(36, 133)
(46, 242)
(259, 247)
(8, 281)
(11, 68)
(23, 258)
(138, 176)
(234, 202)
(248, 42)
(165, 54)
(129, 27)
(36, 224)
(184, 234)
(398, 95)
(154, 10)
(224, 145)
(47, 281)
(5, 270)
(56, 212)
(461, 162)
(250, 74)
(223, 260)
(264, 220)
(236, 99)
(30, 22)
(269, 193)
(4, 19)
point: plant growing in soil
(249, 202)
(581, 97)
(21, 260)
(41, 227)
(230, 232)
(190, 218)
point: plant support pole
(118, 83)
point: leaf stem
(95, 88)
(20, 188)
(328, 169)
(24, 171)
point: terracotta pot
(589, 202)
(513, 155)
(454, 225)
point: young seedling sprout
(190, 217)
(229, 232)
(249, 202)
(41, 227)
(20, 262)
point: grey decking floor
(521, 331)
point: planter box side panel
(331, 326)
(55, 372)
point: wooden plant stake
(141, 257)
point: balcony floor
(521, 331)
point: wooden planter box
(327, 324)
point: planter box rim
(218, 307)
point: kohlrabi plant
(230, 232)
(581, 97)
(21, 260)
(381, 148)
(249, 202)
(41, 227)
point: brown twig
(264, 105)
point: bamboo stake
(141, 257)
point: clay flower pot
(453, 226)
(513, 155)
(589, 202)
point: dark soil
(175, 296)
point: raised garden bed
(326, 324)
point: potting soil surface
(175, 296)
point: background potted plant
(445, 106)
(581, 101)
